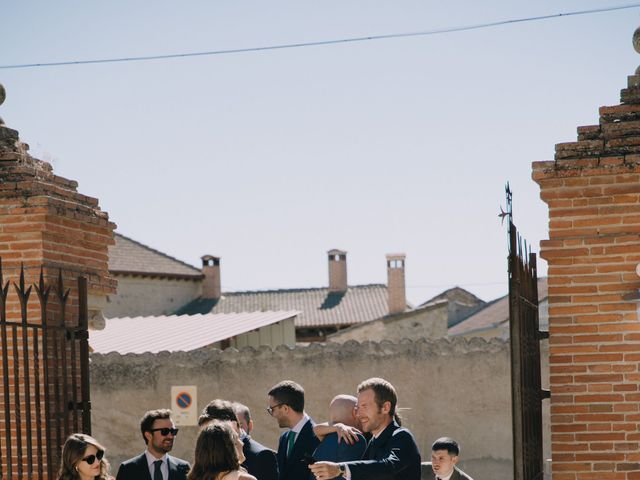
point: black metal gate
(525, 336)
(43, 398)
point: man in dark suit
(155, 463)
(445, 453)
(296, 445)
(340, 439)
(260, 461)
(392, 453)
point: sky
(269, 159)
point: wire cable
(320, 42)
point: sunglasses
(92, 458)
(165, 431)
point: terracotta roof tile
(129, 256)
(318, 306)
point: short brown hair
(289, 393)
(218, 409)
(383, 392)
(146, 423)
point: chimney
(337, 271)
(395, 283)
(211, 283)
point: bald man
(342, 440)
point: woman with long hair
(83, 459)
(218, 454)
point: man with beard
(158, 432)
(296, 445)
(392, 453)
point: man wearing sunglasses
(158, 432)
(296, 446)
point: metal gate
(525, 336)
(43, 398)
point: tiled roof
(494, 314)
(177, 333)
(129, 256)
(318, 306)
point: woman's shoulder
(238, 475)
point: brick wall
(592, 189)
(45, 222)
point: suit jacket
(333, 450)
(260, 461)
(456, 475)
(296, 467)
(137, 468)
(459, 475)
(393, 455)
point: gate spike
(62, 295)
(43, 290)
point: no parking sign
(184, 403)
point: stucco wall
(452, 387)
(144, 296)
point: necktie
(291, 440)
(157, 474)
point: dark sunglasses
(165, 431)
(92, 458)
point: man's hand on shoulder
(346, 433)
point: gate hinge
(544, 394)
(543, 334)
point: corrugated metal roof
(494, 314)
(129, 256)
(318, 306)
(177, 332)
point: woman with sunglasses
(83, 459)
(219, 454)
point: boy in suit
(444, 456)
(155, 463)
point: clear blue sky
(269, 159)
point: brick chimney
(337, 271)
(211, 288)
(395, 282)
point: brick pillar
(592, 189)
(44, 221)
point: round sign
(184, 400)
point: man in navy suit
(342, 441)
(155, 463)
(392, 453)
(260, 461)
(296, 445)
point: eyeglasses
(165, 431)
(271, 409)
(92, 458)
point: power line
(321, 42)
